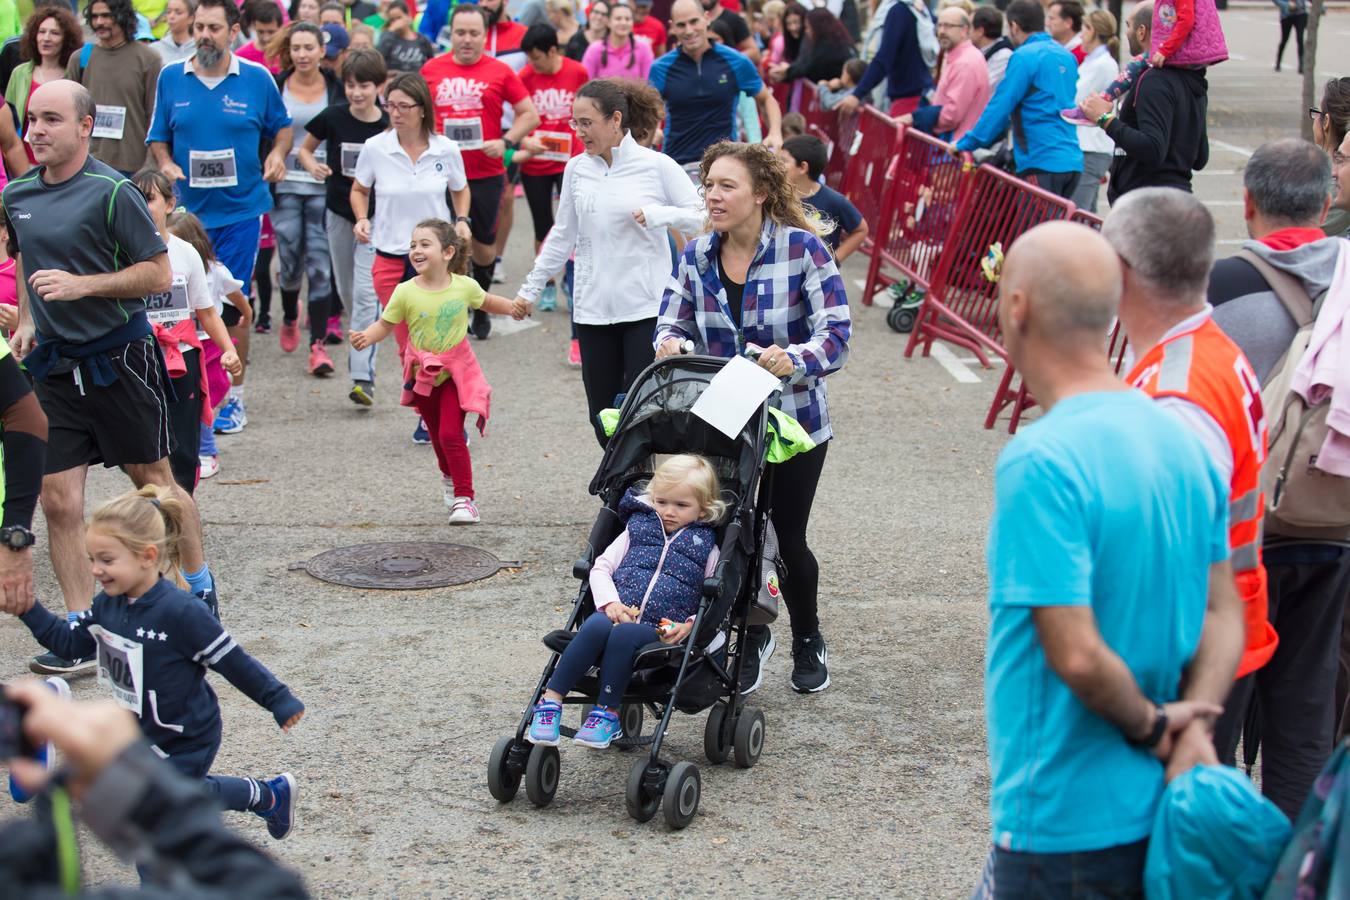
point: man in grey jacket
(1286, 194)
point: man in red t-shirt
(503, 35)
(552, 80)
(646, 27)
(469, 90)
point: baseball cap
(335, 40)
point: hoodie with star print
(153, 653)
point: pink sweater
(421, 368)
(1325, 369)
(618, 66)
(963, 91)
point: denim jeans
(351, 273)
(302, 243)
(1114, 873)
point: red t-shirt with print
(553, 96)
(469, 102)
(651, 30)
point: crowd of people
(374, 154)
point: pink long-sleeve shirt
(625, 62)
(603, 590)
(962, 91)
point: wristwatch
(465, 219)
(510, 144)
(16, 537)
(1156, 733)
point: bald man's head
(60, 120)
(689, 26)
(1060, 286)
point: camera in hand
(13, 741)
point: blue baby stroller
(703, 673)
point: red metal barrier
(845, 142)
(864, 179)
(925, 184)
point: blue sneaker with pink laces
(544, 728)
(600, 730)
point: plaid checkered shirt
(794, 298)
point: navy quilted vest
(674, 596)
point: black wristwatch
(1156, 733)
(465, 219)
(510, 144)
(16, 537)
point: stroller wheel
(893, 317)
(502, 782)
(641, 802)
(749, 737)
(715, 747)
(541, 775)
(630, 717)
(683, 789)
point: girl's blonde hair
(687, 469)
(149, 517)
(185, 226)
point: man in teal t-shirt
(1108, 584)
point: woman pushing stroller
(646, 587)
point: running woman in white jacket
(617, 200)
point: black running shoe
(759, 646)
(51, 664)
(481, 325)
(810, 672)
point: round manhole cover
(403, 565)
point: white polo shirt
(408, 192)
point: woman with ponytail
(621, 54)
(1099, 68)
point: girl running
(154, 643)
(441, 376)
(646, 587)
(177, 328)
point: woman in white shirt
(1099, 68)
(617, 201)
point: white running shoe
(208, 466)
(464, 512)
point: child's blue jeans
(614, 646)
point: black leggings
(319, 308)
(1295, 24)
(262, 277)
(794, 490)
(185, 422)
(611, 357)
(539, 196)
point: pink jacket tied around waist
(422, 367)
(1325, 368)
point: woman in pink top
(620, 55)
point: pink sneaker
(464, 512)
(334, 335)
(290, 336)
(1074, 116)
(574, 354)
(319, 363)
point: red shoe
(574, 354)
(290, 336)
(334, 335)
(319, 363)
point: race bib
(212, 169)
(296, 172)
(467, 133)
(121, 665)
(109, 121)
(692, 170)
(350, 154)
(557, 145)
(169, 306)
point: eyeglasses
(1338, 159)
(581, 124)
(402, 107)
(1314, 113)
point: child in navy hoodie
(154, 643)
(646, 587)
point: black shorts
(230, 315)
(485, 202)
(125, 423)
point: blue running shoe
(280, 818)
(547, 721)
(548, 300)
(600, 730)
(420, 433)
(46, 755)
(232, 418)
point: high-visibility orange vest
(1204, 366)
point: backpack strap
(85, 52)
(1285, 286)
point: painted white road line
(1231, 242)
(504, 325)
(1231, 148)
(1221, 202)
(947, 359)
(1217, 172)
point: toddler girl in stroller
(646, 587)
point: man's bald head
(1142, 15)
(1061, 284)
(60, 122)
(65, 96)
(683, 8)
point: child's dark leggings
(262, 276)
(238, 794)
(1296, 24)
(613, 646)
(1133, 69)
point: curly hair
(72, 35)
(768, 176)
(123, 14)
(280, 47)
